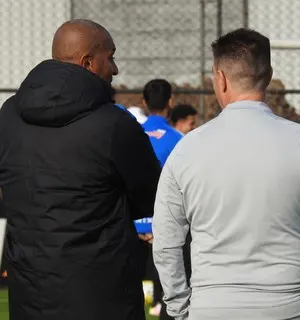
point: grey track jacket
(235, 183)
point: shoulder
(124, 109)
(192, 140)
(117, 112)
(7, 109)
(209, 127)
(126, 123)
(173, 134)
(148, 124)
(288, 124)
(168, 135)
(10, 101)
(110, 122)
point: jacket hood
(56, 93)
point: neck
(178, 128)
(253, 96)
(163, 113)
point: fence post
(72, 9)
(219, 18)
(246, 13)
(202, 49)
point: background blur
(157, 38)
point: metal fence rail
(154, 38)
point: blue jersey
(162, 136)
(163, 139)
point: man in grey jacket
(235, 184)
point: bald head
(77, 37)
(86, 43)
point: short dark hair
(182, 111)
(157, 93)
(247, 54)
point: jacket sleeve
(170, 228)
(135, 162)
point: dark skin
(87, 44)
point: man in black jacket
(75, 171)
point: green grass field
(4, 307)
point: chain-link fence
(26, 31)
(154, 38)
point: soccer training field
(4, 306)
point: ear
(223, 80)
(271, 74)
(144, 104)
(170, 102)
(178, 124)
(86, 62)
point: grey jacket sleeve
(170, 228)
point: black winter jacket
(75, 171)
